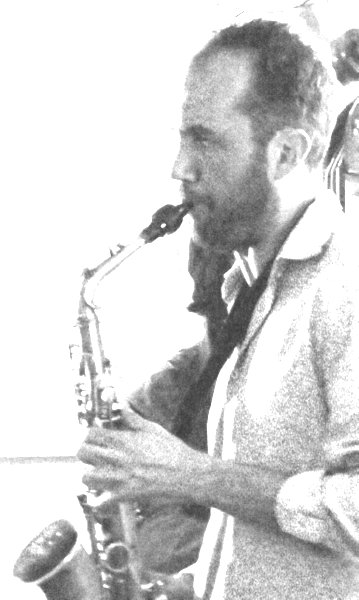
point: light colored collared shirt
(288, 399)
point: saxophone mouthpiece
(166, 220)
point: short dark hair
(294, 80)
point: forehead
(216, 85)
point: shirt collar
(314, 230)
(307, 239)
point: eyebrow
(198, 131)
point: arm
(144, 461)
(322, 506)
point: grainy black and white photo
(180, 300)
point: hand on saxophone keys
(140, 460)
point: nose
(185, 167)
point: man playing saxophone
(281, 472)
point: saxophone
(54, 559)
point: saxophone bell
(56, 562)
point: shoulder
(341, 255)
(336, 299)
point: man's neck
(253, 261)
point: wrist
(201, 477)
(246, 491)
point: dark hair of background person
(345, 51)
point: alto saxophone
(54, 560)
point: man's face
(222, 169)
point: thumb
(131, 419)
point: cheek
(218, 182)
(226, 168)
(215, 161)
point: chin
(219, 246)
(223, 240)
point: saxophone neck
(166, 220)
(93, 277)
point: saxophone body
(54, 559)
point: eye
(201, 138)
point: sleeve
(322, 506)
(160, 397)
(322, 509)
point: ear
(286, 150)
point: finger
(132, 420)
(120, 443)
(117, 481)
(104, 478)
(94, 455)
(103, 437)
